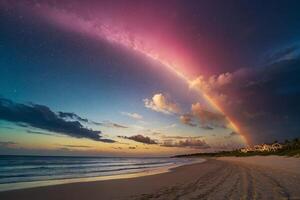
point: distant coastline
(288, 148)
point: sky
(147, 78)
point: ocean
(18, 172)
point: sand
(269, 177)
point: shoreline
(44, 183)
(226, 177)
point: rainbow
(103, 31)
(189, 82)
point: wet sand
(270, 177)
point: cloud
(220, 80)
(74, 146)
(72, 116)
(96, 123)
(233, 133)
(140, 138)
(206, 117)
(160, 103)
(22, 125)
(214, 85)
(117, 148)
(187, 143)
(287, 53)
(110, 124)
(181, 137)
(118, 125)
(7, 144)
(187, 119)
(7, 127)
(156, 133)
(207, 127)
(133, 115)
(68, 115)
(254, 115)
(40, 116)
(131, 147)
(200, 83)
(38, 132)
(263, 100)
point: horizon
(113, 79)
(169, 156)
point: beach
(269, 177)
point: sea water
(29, 171)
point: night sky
(147, 78)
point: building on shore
(262, 148)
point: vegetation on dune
(288, 148)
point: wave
(26, 169)
(73, 166)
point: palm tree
(296, 143)
(287, 144)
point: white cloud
(161, 103)
(133, 115)
(221, 80)
(214, 85)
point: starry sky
(147, 78)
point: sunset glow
(122, 81)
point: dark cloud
(187, 143)
(7, 144)
(38, 132)
(68, 115)
(72, 116)
(233, 133)
(187, 119)
(107, 140)
(96, 123)
(208, 118)
(207, 127)
(265, 100)
(131, 147)
(109, 124)
(40, 116)
(140, 138)
(118, 125)
(203, 118)
(22, 125)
